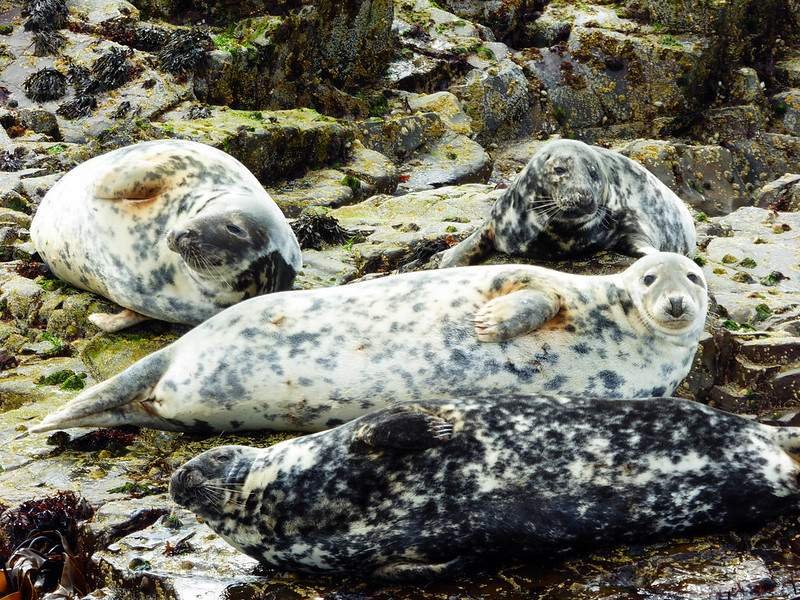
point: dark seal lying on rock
(172, 230)
(425, 489)
(573, 199)
(309, 360)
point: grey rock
(783, 194)
(706, 177)
(787, 107)
(36, 187)
(400, 136)
(498, 101)
(453, 159)
(97, 12)
(40, 121)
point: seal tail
(108, 403)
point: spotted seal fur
(425, 489)
(172, 230)
(573, 199)
(309, 360)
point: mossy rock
(108, 354)
(272, 144)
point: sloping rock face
(397, 125)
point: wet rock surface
(397, 125)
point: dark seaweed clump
(79, 106)
(198, 111)
(315, 230)
(47, 43)
(80, 79)
(47, 84)
(112, 70)
(12, 160)
(186, 51)
(61, 512)
(45, 15)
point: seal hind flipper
(113, 401)
(406, 428)
(470, 250)
(111, 323)
(514, 314)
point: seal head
(231, 246)
(211, 481)
(570, 184)
(669, 291)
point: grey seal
(573, 199)
(309, 360)
(171, 230)
(427, 489)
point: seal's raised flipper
(410, 571)
(142, 175)
(403, 428)
(470, 250)
(111, 323)
(114, 402)
(514, 314)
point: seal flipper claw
(111, 323)
(115, 401)
(405, 429)
(514, 314)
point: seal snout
(676, 307)
(180, 239)
(184, 485)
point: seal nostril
(675, 307)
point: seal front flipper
(470, 250)
(514, 314)
(404, 428)
(139, 176)
(120, 400)
(111, 323)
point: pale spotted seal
(425, 489)
(172, 230)
(573, 199)
(308, 360)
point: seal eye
(693, 278)
(559, 170)
(649, 280)
(235, 230)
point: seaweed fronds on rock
(61, 512)
(112, 69)
(79, 106)
(314, 230)
(47, 84)
(12, 160)
(47, 43)
(80, 79)
(186, 51)
(45, 15)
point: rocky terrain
(402, 121)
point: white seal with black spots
(171, 230)
(428, 489)
(309, 360)
(572, 199)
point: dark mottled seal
(308, 360)
(424, 489)
(573, 199)
(172, 230)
